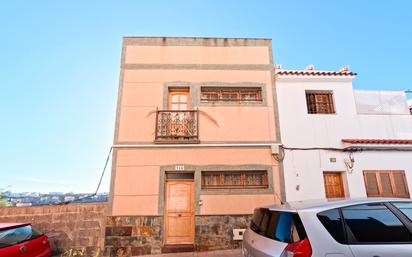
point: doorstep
(178, 248)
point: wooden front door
(179, 212)
(333, 185)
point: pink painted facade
(231, 136)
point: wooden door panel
(179, 229)
(179, 212)
(371, 183)
(333, 185)
(177, 197)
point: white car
(373, 227)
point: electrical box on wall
(275, 149)
(238, 233)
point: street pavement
(222, 253)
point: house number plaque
(179, 167)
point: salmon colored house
(195, 140)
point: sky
(59, 67)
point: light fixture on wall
(349, 162)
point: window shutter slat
(400, 184)
(386, 184)
(371, 184)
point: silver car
(374, 227)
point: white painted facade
(303, 169)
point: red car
(22, 240)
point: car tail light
(298, 249)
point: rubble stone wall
(133, 235)
(139, 235)
(216, 232)
(73, 230)
(86, 230)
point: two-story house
(195, 138)
(340, 142)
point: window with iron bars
(320, 102)
(234, 179)
(229, 94)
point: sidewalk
(222, 253)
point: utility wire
(349, 149)
(104, 169)
(98, 185)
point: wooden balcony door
(179, 212)
(333, 185)
(179, 122)
(178, 100)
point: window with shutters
(386, 183)
(231, 94)
(320, 102)
(234, 179)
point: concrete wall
(144, 90)
(73, 230)
(150, 66)
(327, 130)
(139, 172)
(303, 170)
(147, 71)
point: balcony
(177, 127)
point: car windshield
(17, 235)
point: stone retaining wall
(133, 235)
(216, 232)
(73, 230)
(85, 230)
(137, 235)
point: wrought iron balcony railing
(177, 126)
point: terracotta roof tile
(379, 141)
(314, 73)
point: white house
(340, 142)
